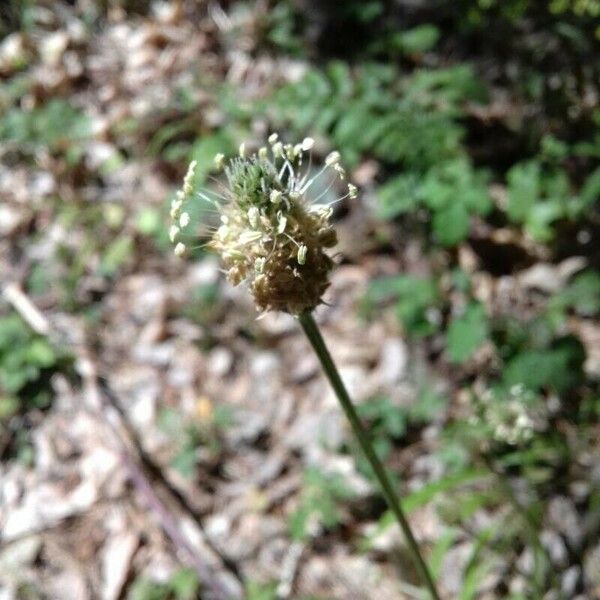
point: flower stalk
(273, 235)
(315, 338)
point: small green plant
(203, 432)
(261, 591)
(389, 423)
(408, 121)
(466, 332)
(319, 504)
(452, 191)
(541, 195)
(414, 298)
(27, 361)
(182, 585)
(55, 125)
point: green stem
(314, 336)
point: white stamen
(247, 237)
(176, 207)
(340, 170)
(189, 176)
(259, 264)
(302, 250)
(282, 222)
(307, 143)
(253, 214)
(278, 149)
(332, 158)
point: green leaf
(523, 190)
(144, 589)
(427, 493)
(477, 569)
(115, 255)
(417, 40)
(55, 125)
(557, 368)
(590, 191)
(430, 490)
(184, 584)
(414, 296)
(9, 405)
(439, 550)
(583, 295)
(541, 216)
(40, 353)
(428, 406)
(397, 196)
(148, 221)
(204, 151)
(466, 333)
(451, 224)
(321, 495)
(185, 461)
(261, 591)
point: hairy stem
(314, 336)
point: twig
(26, 308)
(289, 569)
(156, 473)
(171, 528)
(104, 404)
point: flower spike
(271, 236)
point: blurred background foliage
(473, 129)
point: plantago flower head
(271, 235)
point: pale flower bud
(278, 149)
(219, 160)
(189, 178)
(253, 214)
(281, 224)
(259, 264)
(340, 170)
(176, 207)
(179, 249)
(307, 143)
(332, 158)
